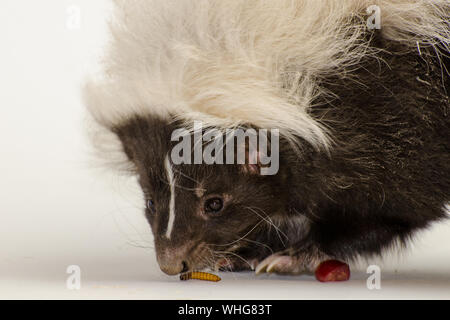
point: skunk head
(201, 215)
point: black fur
(389, 173)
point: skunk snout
(174, 268)
(172, 261)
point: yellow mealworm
(200, 276)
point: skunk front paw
(292, 261)
(233, 264)
(279, 263)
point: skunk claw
(280, 264)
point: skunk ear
(257, 159)
(252, 163)
(254, 159)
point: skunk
(357, 91)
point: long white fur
(171, 181)
(232, 62)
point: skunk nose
(185, 267)
(174, 268)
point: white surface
(56, 211)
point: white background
(57, 208)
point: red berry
(332, 270)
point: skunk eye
(151, 206)
(213, 205)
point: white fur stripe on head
(171, 180)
